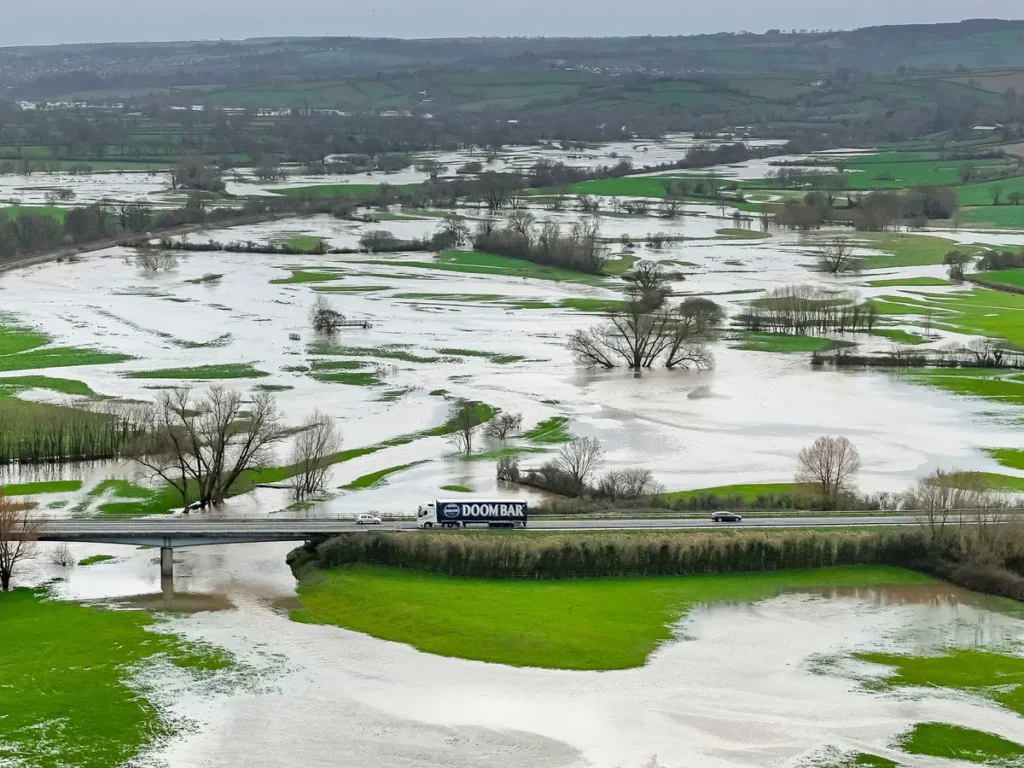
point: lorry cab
(426, 515)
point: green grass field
(67, 696)
(901, 250)
(378, 478)
(954, 742)
(202, 373)
(477, 263)
(1011, 277)
(784, 342)
(898, 336)
(64, 386)
(13, 211)
(39, 488)
(304, 276)
(95, 560)
(550, 431)
(748, 492)
(994, 676)
(908, 282)
(582, 624)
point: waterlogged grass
(66, 696)
(338, 190)
(1010, 277)
(305, 243)
(619, 265)
(898, 336)
(581, 624)
(979, 311)
(748, 492)
(550, 431)
(95, 559)
(508, 452)
(58, 357)
(734, 233)
(43, 487)
(785, 343)
(908, 282)
(379, 478)
(391, 352)
(302, 276)
(954, 742)
(13, 211)
(494, 357)
(907, 250)
(478, 263)
(456, 489)
(64, 386)
(974, 382)
(202, 372)
(15, 338)
(139, 501)
(994, 676)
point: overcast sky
(76, 21)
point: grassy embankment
(589, 624)
(95, 560)
(747, 492)
(67, 698)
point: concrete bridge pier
(166, 563)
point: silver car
(367, 519)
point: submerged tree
(203, 444)
(829, 465)
(315, 446)
(463, 421)
(638, 336)
(504, 425)
(837, 256)
(323, 317)
(18, 534)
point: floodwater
(745, 420)
(766, 684)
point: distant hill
(135, 68)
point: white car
(367, 519)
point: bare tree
(635, 483)
(432, 168)
(521, 221)
(312, 455)
(938, 500)
(18, 534)
(156, 261)
(837, 256)
(580, 459)
(61, 555)
(557, 200)
(453, 231)
(203, 444)
(323, 317)
(504, 425)
(829, 465)
(462, 418)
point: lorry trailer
(497, 513)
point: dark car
(726, 517)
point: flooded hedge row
(614, 554)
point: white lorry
(459, 514)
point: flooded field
(501, 340)
(766, 684)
